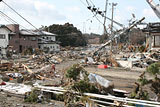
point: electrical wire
(87, 2)
(5, 18)
(8, 19)
(92, 2)
(98, 19)
(19, 15)
(94, 13)
(121, 25)
(83, 3)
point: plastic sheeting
(98, 79)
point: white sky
(48, 12)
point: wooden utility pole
(113, 4)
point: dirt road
(123, 79)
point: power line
(83, 2)
(7, 18)
(4, 18)
(96, 10)
(87, 2)
(89, 7)
(92, 2)
(18, 14)
(13, 21)
(92, 11)
(98, 19)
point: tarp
(93, 78)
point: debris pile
(40, 72)
(140, 60)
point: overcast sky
(48, 12)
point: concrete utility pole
(105, 14)
(113, 4)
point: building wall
(28, 42)
(14, 41)
(4, 40)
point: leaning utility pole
(120, 33)
(113, 4)
(105, 14)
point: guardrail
(123, 101)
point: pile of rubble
(140, 60)
(122, 59)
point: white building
(4, 39)
(47, 42)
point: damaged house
(153, 35)
(23, 39)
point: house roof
(152, 28)
(48, 33)
(38, 33)
(3, 26)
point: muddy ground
(123, 79)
